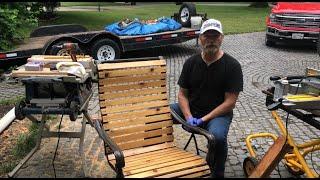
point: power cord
(287, 120)
(55, 153)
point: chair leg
(185, 147)
(195, 142)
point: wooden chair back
(134, 104)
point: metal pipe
(7, 119)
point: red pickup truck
(293, 22)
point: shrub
(14, 18)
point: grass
(25, 143)
(7, 167)
(11, 101)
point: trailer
(103, 45)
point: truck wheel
(268, 42)
(186, 11)
(105, 50)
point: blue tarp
(138, 28)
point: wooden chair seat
(163, 161)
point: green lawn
(234, 19)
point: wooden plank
(157, 166)
(152, 156)
(132, 100)
(153, 159)
(136, 121)
(130, 93)
(153, 104)
(131, 79)
(146, 142)
(135, 114)
(137, 86)
(198, 174)
(142, 135)
(142, 150)
(186, 172)
(125, 72)
(123, 65)
(272, 157)
(158, 161)
(168, 169)
(58, 58)
(118, 132)
(44, 72)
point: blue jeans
(219, 127)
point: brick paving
(250, 115)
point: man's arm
(230, 99)
(184, 102)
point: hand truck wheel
(18, 110)
(294, 171)
(249, 164)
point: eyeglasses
(211, 35)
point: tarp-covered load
(137, 27)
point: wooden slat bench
(137, 123)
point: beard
(210, 49)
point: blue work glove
(199, 122)
(192, 121)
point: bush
(14, 19)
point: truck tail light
(169, 36)
(143, 39)
(192, 33)
(9, 55)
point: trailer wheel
(186, 11)
(294, 171)
(105, 50)
(249, 164)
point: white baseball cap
(211, 24)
